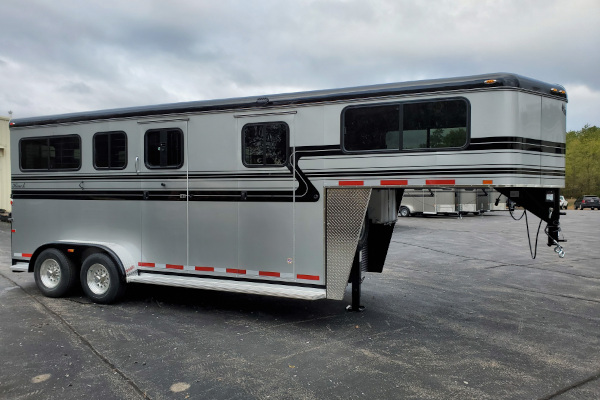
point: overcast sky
(67, 56)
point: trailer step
(294, 292)
(20, 267)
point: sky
(69, 56)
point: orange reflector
(563, 92)
(554, 90)
(70, 250)
(490, 81)
(488, 182)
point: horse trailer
(292, 195)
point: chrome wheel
(50, 273)
(98, 279)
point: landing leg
(356, 280)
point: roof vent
(262, 101)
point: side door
(164, 183)
(266, 211)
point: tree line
(582, 162)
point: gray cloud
(70, 55)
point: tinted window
(110, 150)
(52, 153)
(265, 144)
(164, 148)
(423, 125)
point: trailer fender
(118, 253)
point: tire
(101, 280)
(54, 274)
(404, 212)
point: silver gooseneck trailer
(291, 195)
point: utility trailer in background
(289, 195)
(450, 201)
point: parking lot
(461, 311)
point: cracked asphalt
(461, 311)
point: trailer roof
(494, 80)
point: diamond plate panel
(345, 214)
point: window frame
(48, 137)
(287, 145)
(401, 123)
(109, 148)
(182, 150)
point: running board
(294, 292)
(20, 267)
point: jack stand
(356, 280)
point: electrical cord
(533, 251)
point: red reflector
(27, 255)
(236, 271)
(70, 250)
(395, 182)
(309, 277)
(145, 264)
(267, 273)
(440, 182)
(351, 183)
(488, 182)
(172, 266)
(205, 269)
(13, 231)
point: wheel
(54, 273)
(404, 211)
(101, 280)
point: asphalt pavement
(461, 311)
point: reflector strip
(205, 269)
(13, 231)
(440, 181)
(146, 264)
(308, 277)
(351, 183)
(236, 271)
(267, 273)
(172, 266)
(488, 182)
(25, 255)
(395, 182)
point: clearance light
(562, 92)
(70, 250)
(490, 81)
(554, 90)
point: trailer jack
(544, 204)
(356, 279)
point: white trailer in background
(288, 195)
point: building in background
(4, 164)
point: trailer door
(163, 173)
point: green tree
(582, 162)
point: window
(50, 153)
(408, 126)
(164, 148)
(265, 144)
(110, 150)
